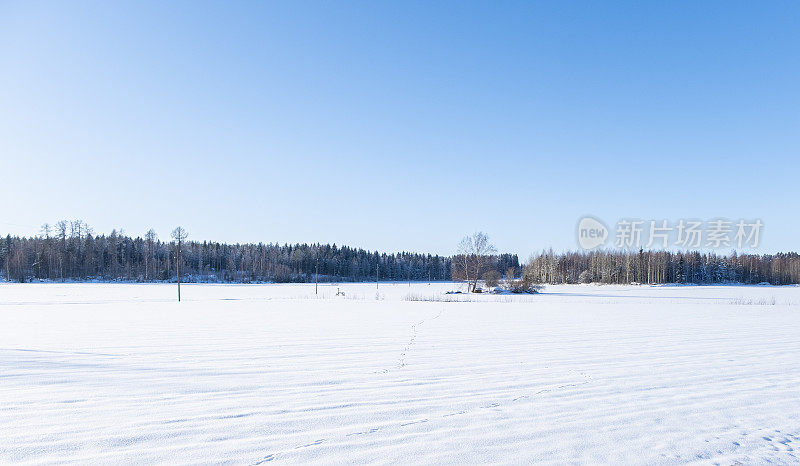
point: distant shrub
(522, 285)
(491, 278)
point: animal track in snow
(414, 331)
(403, 424)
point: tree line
(622, 267)
(71, 251)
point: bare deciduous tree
(179, 235)
(473, 258)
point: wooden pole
(316, 278)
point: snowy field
(249, 374)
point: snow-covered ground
(247, 374)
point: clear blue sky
(398, 125)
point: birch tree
(179, 235)
(474, 257)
